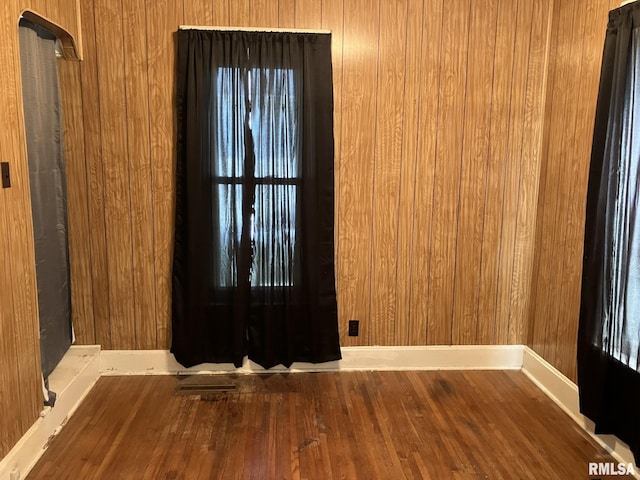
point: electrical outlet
(354, 328)
(4, 173)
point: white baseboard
(565, 394)
(72, 380)
(467, 357)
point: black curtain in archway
(609, 333)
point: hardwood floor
(369, 425)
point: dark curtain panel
(253, 266)
(609, 334)
(45, 151)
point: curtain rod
(255, 29)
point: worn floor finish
(369, 425)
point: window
(258, 107)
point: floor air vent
(202, 385)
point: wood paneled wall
(20, 373)
(444, 129)
(578, 33)
(438, 127)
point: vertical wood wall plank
(308, 13)
(264, 13)
(11, 426)
(406, 205)
(546, 309)
(529, 172)
(113, 116)
(496, 169)
(453, 81)
(196, 12)
(512, 176)
(221, 12)
(477, 124)
(77, 203)
(429, 118)
(163, 19)
(356, 169)
(579, 174)
(38, 6)
(572, 50)
(572, 208)
(240, 13)
(138, 143)
(93, 152)
(539, 303)
(287, 13)
(387, 165)
(550, 74)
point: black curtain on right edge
(609, 332)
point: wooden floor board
(370, 425)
